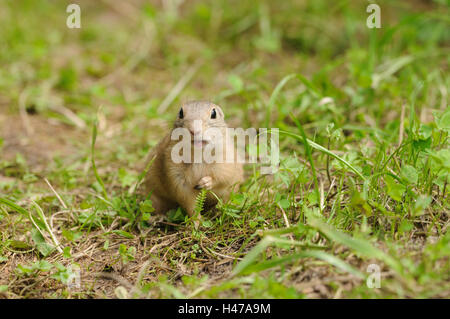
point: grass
(364, 137)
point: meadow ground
(359, 206)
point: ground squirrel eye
(213, 114)
(180, 114)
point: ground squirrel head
(209, 113)
(198, 117)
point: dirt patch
(36, 138)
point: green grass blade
(141, 177)
(94, 167)
(361, 246)
(249, 265)
(274, 96)
(330, 259)
(41, 215)
(252, 255)
(280, 86)
(13, 206)
(308, 154)
(324, 150)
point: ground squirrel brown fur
(178, 184)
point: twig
(331, 187)
(77, 121)
(322, 197)
(224, 256)
(286, 221)
(113, 276)
(49, 229)
(56, 194)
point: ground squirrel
(175, 184)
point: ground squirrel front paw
(205, 182)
